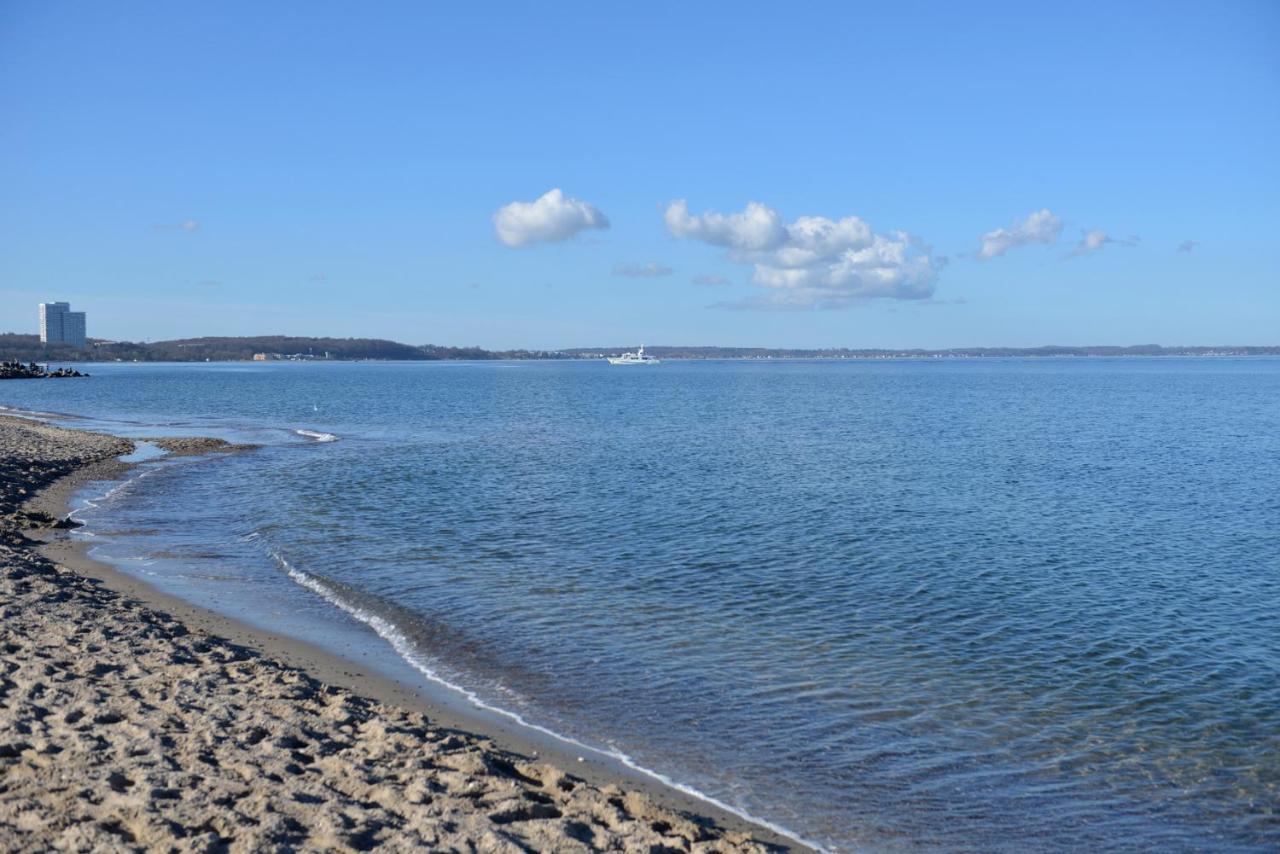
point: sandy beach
(132, 721)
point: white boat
(636, 358)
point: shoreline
(597, 778)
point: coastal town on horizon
(62, 336)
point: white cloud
(1095, 239)
(758, 227)
(813, 261)
(1039, 227)
(551, 218)
(652, 270)
(709, 279)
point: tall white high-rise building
(60, 325)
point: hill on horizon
(243, 348)
(26, 348)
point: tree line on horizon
(26, 348)
(234, 349)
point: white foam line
(388, 631)
(91, 503)
(317, 435)
(113, 425)
(29, 414)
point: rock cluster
(32, 371)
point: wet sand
(133, 720)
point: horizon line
(97, 341)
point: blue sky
(182, 169)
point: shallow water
(958, 604)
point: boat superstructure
(636, 358)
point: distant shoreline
(27, 348)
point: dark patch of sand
(192, 445)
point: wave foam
(317, 436)
(31, 414)
(117, 489)
(390, 632)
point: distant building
(60, 325)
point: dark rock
(32, 371)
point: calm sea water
(988, 604)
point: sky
(560, 174)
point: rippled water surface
(988, 604)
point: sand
(193, 445)
(127, 726)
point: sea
(883, 605)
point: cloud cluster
(549, 219)
(1039, 227)
(652, 270)
(813, 261)
(1093, 240)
